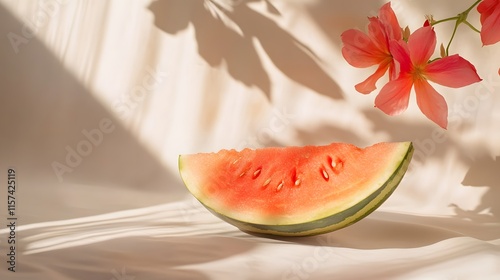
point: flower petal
(393, 70)
(422, 44)
(390, 21)
(490, 33)
(368, 85)
(394, 96)
(359, 50)
(431, 103)
(376, 32)
(452, 71)
(400, 53)
(486, 8)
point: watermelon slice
(296, 191)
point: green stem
(460, 18)
(444, 20)
(472, 26)
(452, 36)
(472, 7)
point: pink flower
(490, 21)
(364, 50)
(416, 70)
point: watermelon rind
(332, 221)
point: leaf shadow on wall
(334, 20)
(219, 44)
(484, 172)
(430, 141)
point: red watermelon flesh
(294, 185)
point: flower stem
(452, 36)
(472, 26)
(472, 7)
(444, 20)
(460, 18)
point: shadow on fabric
(157, 242)
(228, 35)
(384, 230)
(484, 172)
(48, 116)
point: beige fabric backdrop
(98, 98)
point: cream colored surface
(130, 85)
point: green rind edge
(332, 222)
